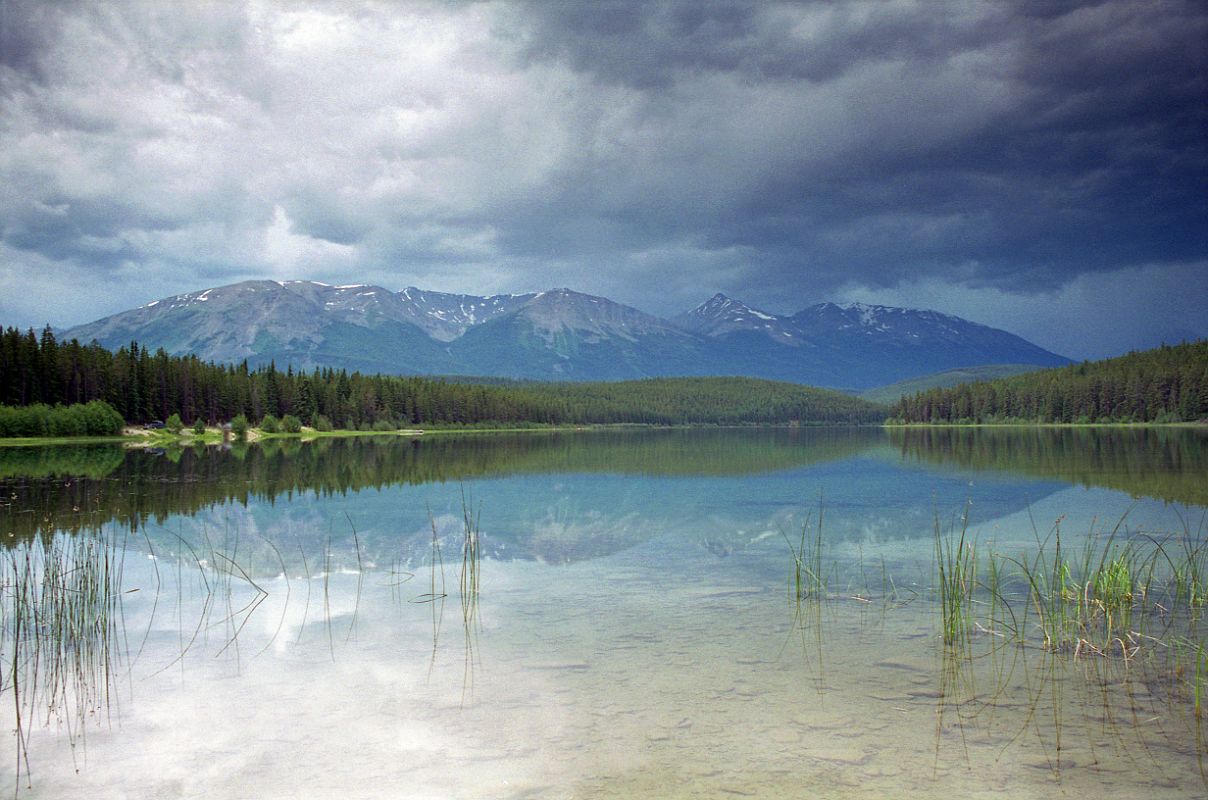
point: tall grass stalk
(356, 543)
(806, 579)
(60, 604)
(471, 562)
(436, 592)
(1189, 573)
(468, 585)
(1198, 686)
(956, 564)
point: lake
(646, 613)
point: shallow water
(633, 632)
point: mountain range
(558, 334)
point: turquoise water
(292, 621)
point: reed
(1201, 676)
(956, 564)
(1119, 594)
(806, 578)
(471, 561)
(1189, 572)
(436, 566)
(469, 587)
(356, 543)
(436, 593)
(327, 595)
(60, 638)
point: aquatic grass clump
(1086, 603)
(1116, 587)
(1121, 594)
(1114, 584)
(1118, 605)
(60, 610)
(956, 563)
(1118, 594)
(1189, 573)
(806, 579)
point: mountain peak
(557, 310)
(563, 293)
(721, 304)
(717, 304)
(721, 315)
(872, 315)
(557, 333)
(445, 316)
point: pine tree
(51, 383)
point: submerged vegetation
(1115, 595)
(1120, 596)
(807, 580)
(1120, 599)
(956, 567)
(1039, 645)
(1132, 600)
(1112, 597)
(60, 627)
(65, 642)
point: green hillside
(1166, 384)
(891, 393)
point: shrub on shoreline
(96, 418)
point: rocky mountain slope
(558, 334)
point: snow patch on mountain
(555, 333)
(721, 315)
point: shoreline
(138, 438)
(1201, 424)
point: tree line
(143, 386)
(1166, 384)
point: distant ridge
(558, 334)
(892, 392)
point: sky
(1039, 166)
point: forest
(143, 386)
(1166, 384)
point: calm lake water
(304, 619)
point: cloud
(781, 152)
(286, 252)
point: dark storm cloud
(1087, 152)
(783, 152)
(649, 45)
(26, 32)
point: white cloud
(287, 252)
